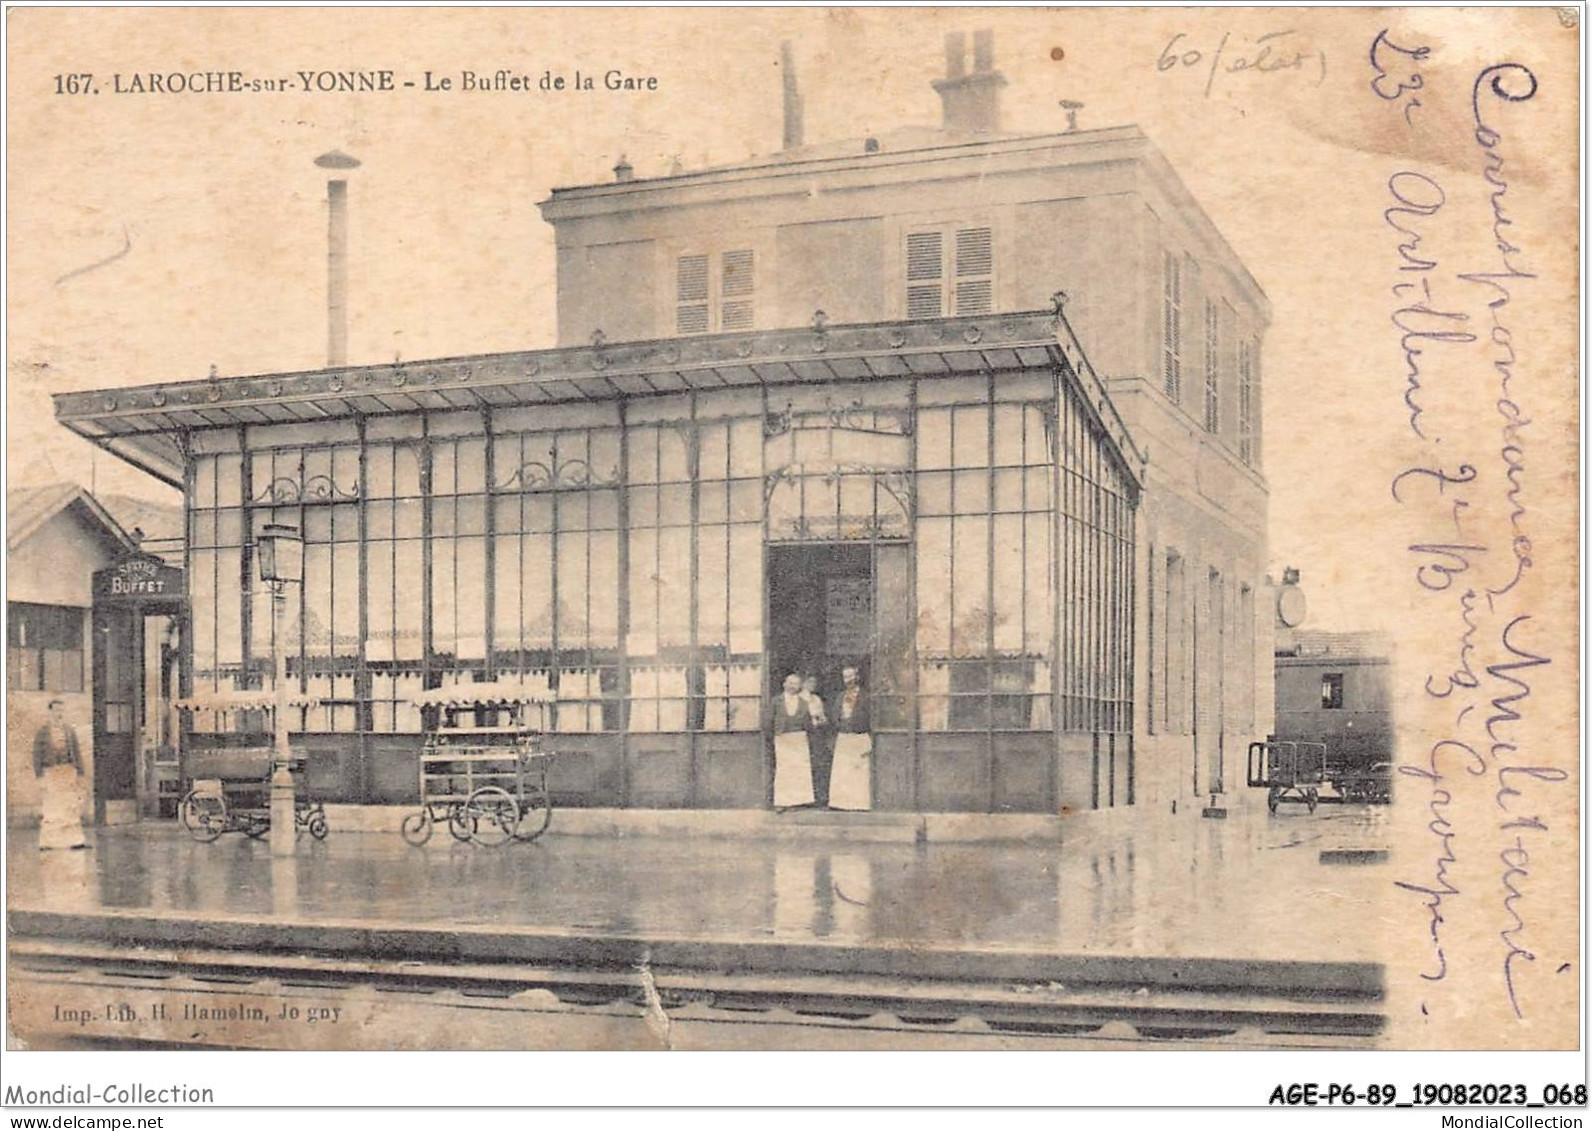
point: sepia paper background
(221, 214)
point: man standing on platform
(58, 764)
(851, 775)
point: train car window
(1332, 691)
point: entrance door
(118, 663)
(135, 727)
(820, 612)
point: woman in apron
(850, 778)
(793, 767)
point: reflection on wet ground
(1291, 885)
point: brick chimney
(971, 100)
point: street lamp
(280, 552)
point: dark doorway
(138, 618)
(820, 611)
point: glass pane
(746, 500)
(229, 526)
(642, 444)
(573, 574)
(604, 590)
(934, 438)
(934, 593)
(892, 663)
(536, 589)
(1037, 626)
(603, 455)
(570, 510)
(1009, 489)
(1009, 587)
(674, 580)
(746, 448)
(643, 506)
(406, 470)
(506, 513)
(506, 594)
(443, 467)
(643, 593)
(1037, 493)
(714, 460)
(713, 502)
(407, 608)
(229, 606)
(470, 580)
(674, 505)
(506, 461)
(443, 634)
(970, 447)
(970, 584)
(604, 514)
(1008, 435)
(713, 587)
(204, 481)
(229, 481)
(345, 599)
(746, 590)
(673, 462)
(537, 510)
(407, 518)
(972, 492)
(379, 644)
(1036, 440)
(934, 493)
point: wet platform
(1237, 931)
(1290, 886)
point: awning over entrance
(145, 425)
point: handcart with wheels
(483, 770)
(229, 787)
(1289, 771)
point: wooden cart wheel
(536, 813)
(1310, 800)
(204, 816)
(493, 814)
(1273, 796)
(416, 827)
(318, 826)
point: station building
(978, 413)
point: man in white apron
(850, 776)
(58, 764)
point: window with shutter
(691, 295)
(974, 268)
(954, 275)
(925, 270)
(707, 301)
(736, 283)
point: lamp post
(280, 552)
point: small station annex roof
(145, 425)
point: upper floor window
(715, 292)
(1246, 401)
(950, 271)
(1213, 368)
(1172, 328)
(44, 647)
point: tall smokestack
(793, 98)
(336, 257)
(971, 100)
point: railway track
(293, 986)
